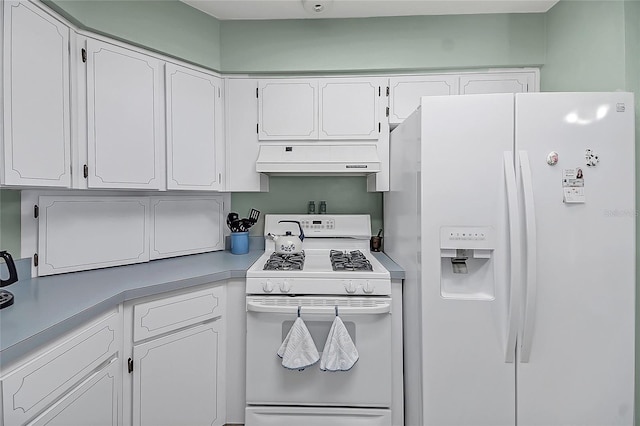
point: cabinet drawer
(31, 388)
(162, 316)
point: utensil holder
(240, 242)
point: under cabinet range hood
(316, 159)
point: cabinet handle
(84, 55)
(130, 365)
(86, 171)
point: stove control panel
(318, 224)
(303, 286)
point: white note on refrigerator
(573, 186)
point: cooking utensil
(253, 216)
(232, 221)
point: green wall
(585, 47)
(393, 43)
(595, 46)
(166, 26)
(346, 195)
(10, 222)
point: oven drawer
(311, 416)
(367, 384)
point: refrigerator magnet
(573, 185)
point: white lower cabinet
(177, 374)
(93, 402)
(75, 380)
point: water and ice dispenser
(467, 262)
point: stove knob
(350, 287)
(285, 287)
(268, 286)
(368, 287)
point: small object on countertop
(339, 353)
(323, 207)
(311, 208)
(240, 242)
(376, 243)
(379, 233)
(298, 350)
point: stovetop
(284, 262)
(336, 259)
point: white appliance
(360, 288)
(514, 218)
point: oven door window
(367, 384)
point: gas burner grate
(349, 261)
(284, 262)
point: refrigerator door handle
(515, 257)
(531, 281)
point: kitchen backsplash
(342, 194)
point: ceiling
(303, 9)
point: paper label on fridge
(573, 185)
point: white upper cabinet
(195, 147)
(288, 109)
(125, 117)
(405, 93)
(241, 137)
(497, 83)
(77, 233)
(349, 109)
(319, 109)
(186, 225)
(35, 65)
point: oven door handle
(378, 308)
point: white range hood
(318, 159)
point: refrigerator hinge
(35, 260)
(130, 365)
(36, 211)
(84, 55)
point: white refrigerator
(514, 218)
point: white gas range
(336, 259)
(337, 274)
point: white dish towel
(340, 353)
(298, 350)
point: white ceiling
(295, 9)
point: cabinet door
(288, 109)
(186, 225)
(241, 116)
(349, 109)
(497, 83)
(124, 118)
(177, 378)
(94, 402)
(194, 139)
(36, 98)
(57, 370)
(405, 93)
(78, 233)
